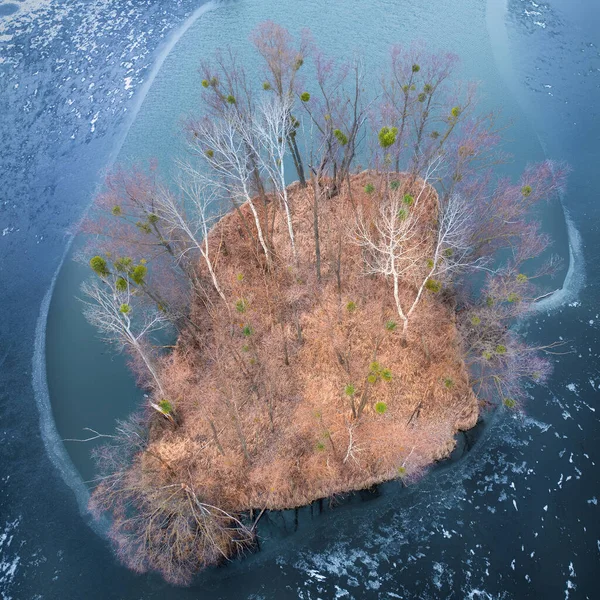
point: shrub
(395, 184)
(408, 200)
(350, 390)
(380, 407)
(391, 325)
(521, 278)
(209, 153)
(433, 285)
(455, 112)
(475, 320)
(509, 402)
(387, 136)
(526, 190)
(165, 406)
(116, 210)
(138, 274)
(305, 96)
(247, 330)
(500, 349)
(416, 68)
(448, 382)
(340, 136)
(125, 308)
(205, 83)
(369, 188)
(351, 306)
(99, 266)
(121, 284)
(513, 297)
(266, 86)
(241, 306)
(386, 374)
(231, 99)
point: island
(316, 302)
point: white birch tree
(110, 306)
(187, 218)
(222, 144)
(401, 245)
(268, 137)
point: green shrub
(166, 407)
(380, 407)
(266, 86)
(391, 325)
(116, 210)
(99, 266)
(340, 136)
(305, 96)
(433, 285)
(394, 184)
(387, 136)
(509, 402)
(247, 330)
(350, 390)
(231, 99)
(369, 188)
(241, 306)
(526, 190)
(351, 306)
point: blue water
(516, 517)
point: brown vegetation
(265, 416)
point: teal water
(498, 523)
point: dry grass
(282, 431)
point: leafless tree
(187, 218)
(222, 143)
(398, 244)
(110, 307)
(267, 138)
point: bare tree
(398, 246)
(222, 143)
(267, 138)
(110, 307)
(187, 218)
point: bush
(340, 136)
(369, 188)
(305, 96)
(433, 285)
(166, 407)
(380, 407)
(387, 136)
(351, 306)
(391, 325)
(99, 266)
(509, 402)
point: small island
(321, 336)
